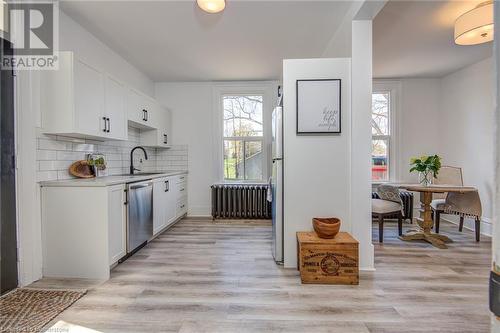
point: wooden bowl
(327, 227)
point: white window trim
(394, 88)
(268, 89)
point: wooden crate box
(328, 261)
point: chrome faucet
(132, 169)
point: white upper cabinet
(78, 100)
(88, 84)
(141, 110)
(159, 137)
(115, 106)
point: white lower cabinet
(117, 223)
(181, 195)
(159, 199)
(163, 199)
(84, 228)
(169, 194)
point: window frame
(393, 88)
(244, 140)
(266, 89)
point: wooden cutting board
(81, 169)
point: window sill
(380, 182)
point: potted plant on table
(427, 167)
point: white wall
(453, 117)
(360, 201)
(495, 322)
(466, 129)
(417, 118)
(72, 38)
(198, 124)
(316, 167)
(190, 105)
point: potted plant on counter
(98, 163)
(427, 168)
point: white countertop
(108, 180)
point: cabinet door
(171, 200)
(180, 195)
(117, 223)
(151, 108)
(140, 109)
(159, 198)
(89, 98)
(115, 95)
(135, 108)
(163, 117)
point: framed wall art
(319, 106)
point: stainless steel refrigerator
(277, 181)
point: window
(243, 138)
(381, 136)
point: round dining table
(425, 221)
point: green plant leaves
(426, 164)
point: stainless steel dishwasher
(139, 215)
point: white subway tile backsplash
(46, 175)
(53, 144)
(84, 147)
(46, 155)
(64, 174)
(70, 156)
(56, 153)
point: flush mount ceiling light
(475, 26)
(211, 6)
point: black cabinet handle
(167, 186)
(165, 138)
(147, 115)
(144, 114)
(105, 124)
(109, 125)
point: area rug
(29, 310)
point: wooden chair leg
(381, 228)
(461, 225)
(437, 219)
(478, 228)
(400, 224)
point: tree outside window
(381, 135)
(243, 137)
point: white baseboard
(199, 217)
(199, 210)
(486, 226)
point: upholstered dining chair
(389, 204)
(461, 204)
(448, 175)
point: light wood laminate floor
(205, 277)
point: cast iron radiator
(240, 201)
(407, 198)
